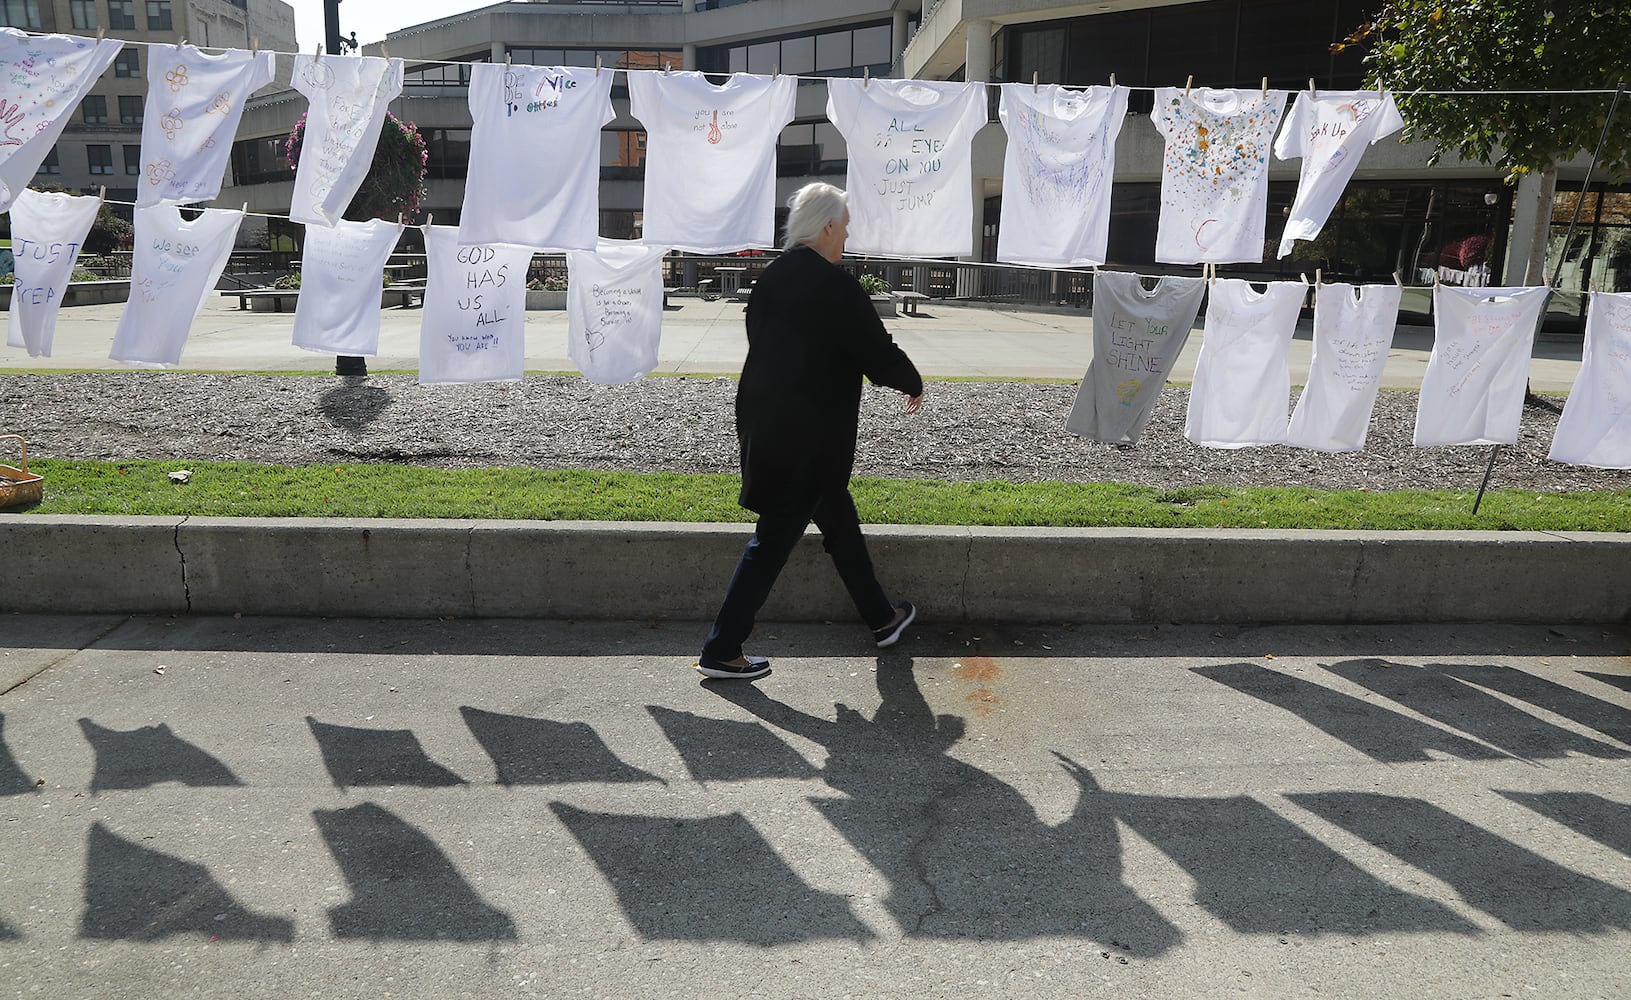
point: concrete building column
(1526, 217)
(496, 52)
(897, 36)
(689, 55)
(977, 68)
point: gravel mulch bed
(970, 431)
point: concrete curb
(632, 570)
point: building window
(51, 165)
(83, 13)
(258, 161)
(122, 15)
(94, 109)
(129, 64)
(449, 152)
(130, 109)
(101, 159)
(158, 15)
(848, 52)
(456, 75)
(21, 13)
(133, 161)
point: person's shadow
(965, 854)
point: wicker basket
(19, 487)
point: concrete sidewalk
(211, 807)
(946, 341)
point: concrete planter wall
(539, 299)
(884, 304)
(82, 293)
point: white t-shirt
(910, 176)
(1330, 133)
(1472, 392)
(1242, 384)
(1214, 173)
(342, 269)
(194, 101)
(348, 97)
(47, 230)
(710, 157)
(1137, 336)
(46, 77)
(1351, 340)
(1057, 171)
(172, 274)
(534, 177)
(614, 310)
(473, 329)
(1595, 428)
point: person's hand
(914, 403)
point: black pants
(765, 555)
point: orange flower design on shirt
(171, 122)
(161, 171)
(221, 105)
(176, 78)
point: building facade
(101, 145)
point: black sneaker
(890, 634)
(757, 666)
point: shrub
(287, 281)
(872, 284)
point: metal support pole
(333, 44)
(1557, 272)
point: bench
(908, 301)
(743, 293)
(402, 293)
(277, 296)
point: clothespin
(384, 52)
(1311, 92)
(666, 67)
(102, 195)
(1112, 79)
(1319, 276)
(319, 56)
(597, 64)
(1304, 276)
(183, 43)
(1034, 76)
(101, 33)
(866, 77)
(428, 217)
(254, 45)
(1265, 88)
(1398, 280)
(506, 58)
(1189, 84)
(775, 70)
(399, 218)
(245, 209)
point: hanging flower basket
(396, 178)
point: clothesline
(809, 79)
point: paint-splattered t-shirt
(1214, 173)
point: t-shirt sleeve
(783, 100)
(842, 97)
(1161, 116)
(1289, 146)
(1391, 121)
(644, 101)
(481, 96)
(601, 86)
(974, 113)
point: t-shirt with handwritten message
(194, 101)
(910, 177)
(475, 310)
(42, 80)
(1057, 171)
(348, 97)
(342, 269)
(710, 157)
(1330, 133)
(614, 310)
(1353, 329)
(1595, 428)
(172, 274)
(1137, 335)
(1242, 384)
(47, 230)
(534, 177)
(1472, 391)
(1214, 173)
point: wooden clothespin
(507, 58)
(1319, 277)
(1398, 280)
(399, 218)
(384, 52)
(1304, 276)
(102, 195)
(667, 66)
(1034, 77)
(428, 218)
(775, 70)
(1189, 84)
(597, 64)
(183, 43)
(254, 45)
(866, 77)
(101, 33)
(1311, 92)
(1265, 88)
(245, 209)
(319, 56)
(1112, 79)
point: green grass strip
(243, 489)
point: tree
(396, 176)
(1551, 45)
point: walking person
(812, 335)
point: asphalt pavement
(204, 806)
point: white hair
(810, 209)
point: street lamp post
(345, 365)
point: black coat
(812, 335)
